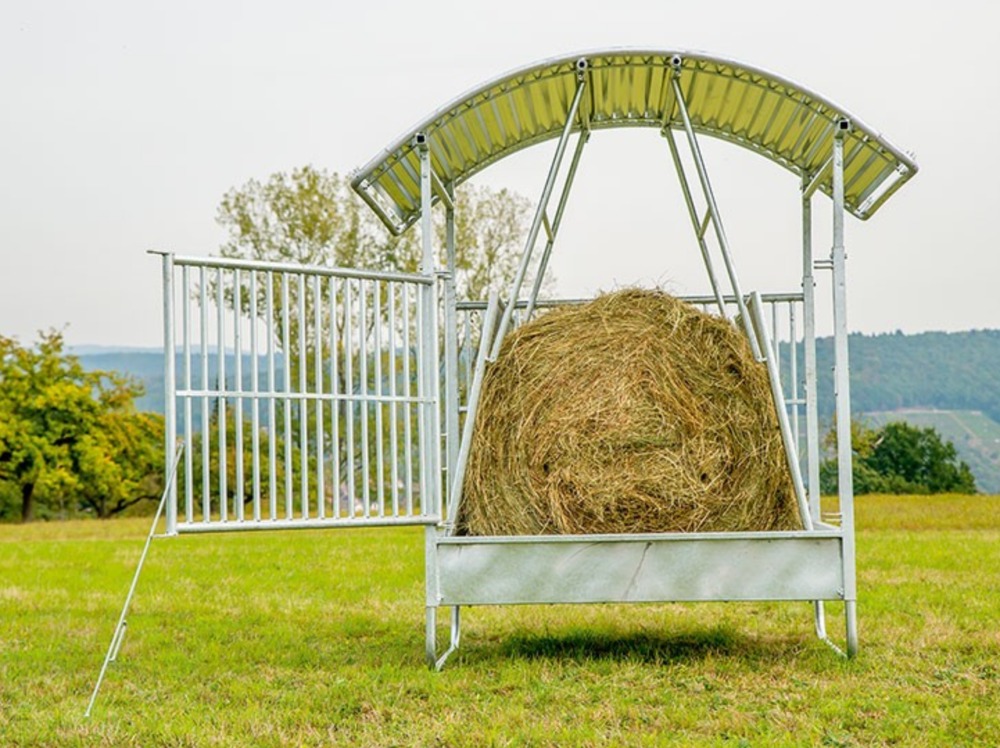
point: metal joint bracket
(420, 141)
(581, 68)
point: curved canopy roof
(770, 115)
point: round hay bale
(633, 413)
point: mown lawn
(317, 639)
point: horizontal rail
(293, 395)
(228, 263)
(306, 524)
(767, 298)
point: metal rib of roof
(770, 115)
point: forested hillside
(947, 371)
(889, 373)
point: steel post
(843, 388)
(169, 388)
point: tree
(71, 439)
(312, 216)
(899, 458)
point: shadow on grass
(645, 647)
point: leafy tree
(899, 458)
(311, 216)
(71, 439)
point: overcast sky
(123, 123)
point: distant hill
(945, 371)
(897, 376)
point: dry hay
(635, 412)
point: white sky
(123, 123)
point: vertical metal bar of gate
(336, 509)
(186, 357)
(272, 436)
(287, 410)
(206, 489)
(318, 387)
(170, 388)
(254, 401)
(713, 208)
(303, 402)
(394, 405)
(379, 447)
(238, 387)
(793, 372)
(221, 332)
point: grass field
(316, 638)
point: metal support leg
(536, 224)
(120, 627)
(713, 210)
(843, 389)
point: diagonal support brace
(536, 224)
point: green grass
(316, 638)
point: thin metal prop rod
(455, 494)
(536, 224)
(116, 638)
(713, 208)
(543, 264)
(695, 223)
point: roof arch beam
(786, 123)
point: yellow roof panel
(770, 115)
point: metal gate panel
(300, 393)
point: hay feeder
(693, 95)
(627, 550)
